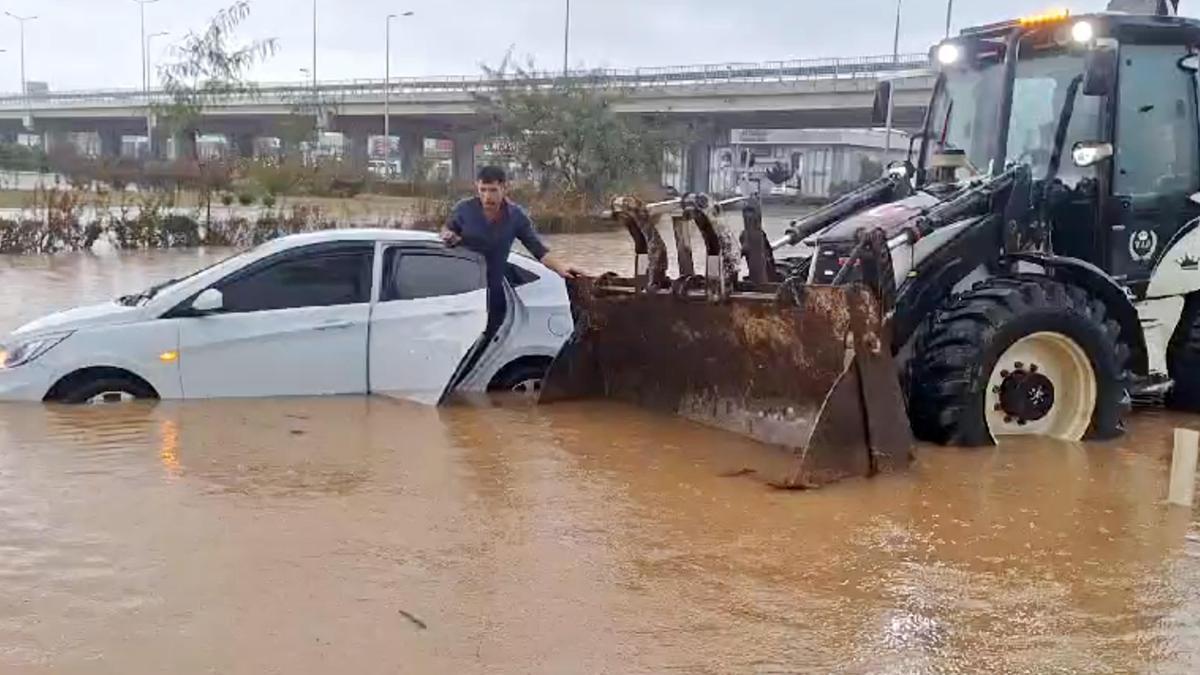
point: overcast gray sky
(77, 44)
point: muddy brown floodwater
(365, 535)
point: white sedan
(333, 312)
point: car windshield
(146, 295)
(963, 117)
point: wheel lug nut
(1004, 373)
(997, 407)
(1008, 419)
(1033, 368)
(1021, 423)
(1018, 365)
(996, 390)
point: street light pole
(387, 88)
(150, 57)
(142, 14)
(887, 144)
(146, 90)
(566, 37)
(949, 15)
(314, 50)
(24, 86)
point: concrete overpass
(710, 99)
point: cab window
(1156, 150)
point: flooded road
(367, 535)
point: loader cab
(1102, 108)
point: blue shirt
(494, 241)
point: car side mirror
(209, 301)
(1100, 68)
(1087, 153)
(879, 108)
(1194, 198)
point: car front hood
(103, 314)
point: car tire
(107, 389)
(983, 363)
(524, 379)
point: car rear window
(415, 275)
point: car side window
(518, 276)
(411, 275)
(337, 277)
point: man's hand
(450, 237)
(563, 269)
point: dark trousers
(496, 306)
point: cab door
(1156, 168)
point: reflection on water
(368, 535)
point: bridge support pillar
(184, 146)
(156, 148)
(412, 151)
(464, 157)
(356, 148)
(243, 143)
(110, 143)
(699, 155)
(57, 141)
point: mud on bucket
(816, 379)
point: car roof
(348, 234)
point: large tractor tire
(1183, 359)
(1019, 356)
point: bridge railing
(635, 78)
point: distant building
(813, 162)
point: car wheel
(524, 379)
(110, 389)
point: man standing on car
(488, 224)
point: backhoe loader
(1032, 268)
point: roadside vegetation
(565, 146)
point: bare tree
(567, 132)
(208, 68)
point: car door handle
(460, 312)
(334, 325)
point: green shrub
(245, 199)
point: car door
(294, 324)
(431, 310)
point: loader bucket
(813, 376)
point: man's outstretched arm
(537, 249)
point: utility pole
(146, 90)
(949, 15)
(142, 13)
(387, 89)
(150, 57)
(313, 48)
(887, 145)
(316, 96)
(566, 37)
(24, 86)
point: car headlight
(23, 351)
